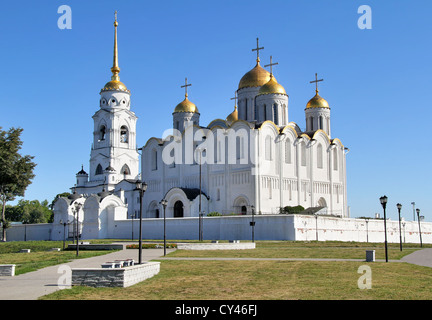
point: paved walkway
(32, 285)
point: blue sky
(376, 81)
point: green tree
(16, 171)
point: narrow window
(275, 114)
(102, 132)
(303, 154)
(99, 169)
(288, 151)
(154, 159)
(335, 159)
(124, 133)
(268, 150)
(319, 156)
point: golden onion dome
(115, 85)
(233, 116)
(272, 87)
(186, 106)
(317, 102)
(256, 77)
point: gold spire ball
(317, 101)
(256, 77)
(115, 84)
(233, 116)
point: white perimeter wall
(268, 227)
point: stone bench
(24, 251)
(216, 246)
(114, 277)
(96, 247)
(7, 270)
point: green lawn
(274, 280)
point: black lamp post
(418, 219)
(383, 201)
(399, 206)
(64, 231)
(141, 187)
(252, 223)
(164, 204)
(133, 216)
(77, 208)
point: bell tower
(113, 154)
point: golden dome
(186, 106)
(115, 85)
(317, 102)
(255, 78)
(233, 116)
(272, 87)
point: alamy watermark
(65, 20)
(365, 280)
(365, 20)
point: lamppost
(316, 225)
(413, 204)
(399, 206)
(252, 223)
(64, 231)
(200, 231)
(164, 204)
(77, 208)
(383, 201)
(141, 187)
(418, 219)
(133, 216)
(367, 230)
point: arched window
(288, 151)
(124, 134)
(178, 209)
(275, 113)
(303, 154)
(102, 132)
(268, 148)
(154, 159)
(125, 170)
(99, 169)
(335, 159)
(246, 110)
(320, 122)
(319, 156)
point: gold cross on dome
(271, 65)
(316, 82)
(185, 86)
(257, 49)
(235, 98)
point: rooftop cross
(316, 82)
(235, 98)
(271, 65)
(257, 49)
(185, 86)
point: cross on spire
(185, 86)
(316, 82)
(257, 49)
(271, 65)
(235, 99)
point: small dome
(317, 102)
(115, 85)
(233, 116)
(255, 78)
(186, 106)
(272, 87)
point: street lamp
(64, 231)
(252, 223)
(383, 201)
(141, 187)
(76, 209)
(399, 206)
(418, 219)
(164, 204)
(133, 216)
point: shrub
(291, 210)
(214, 214)
(151, 246)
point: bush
(291, 210)
(214, 214)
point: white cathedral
(254, 159)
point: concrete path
(32, 285)
(420, 257)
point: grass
(267, 280)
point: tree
(16, 171)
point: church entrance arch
(178, 209)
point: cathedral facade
(255, 160)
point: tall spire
(115, 68)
